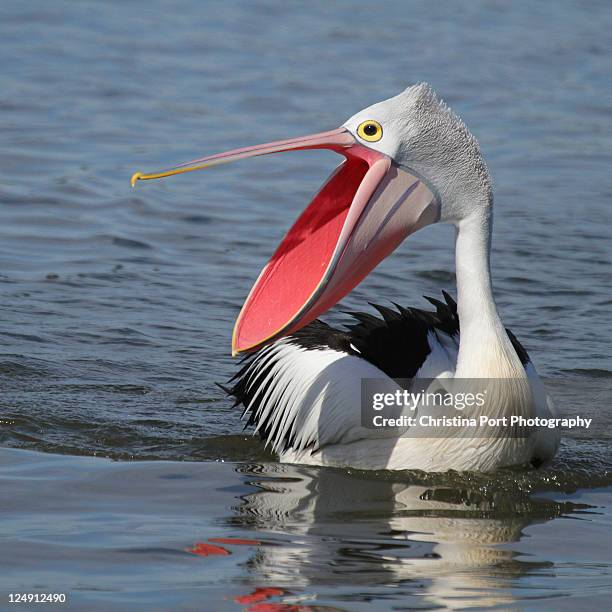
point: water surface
(213, 536)
(117, 305)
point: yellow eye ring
(370, 131)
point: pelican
(409, 162)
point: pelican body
(409, 162)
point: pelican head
(409, 162)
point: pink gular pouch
(366, 208)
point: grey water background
(117, 305)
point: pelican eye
(370, 131)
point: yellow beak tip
(135, 177)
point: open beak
(367, 207)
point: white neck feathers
(485, 350)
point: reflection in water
(221, 536)
(437, 540)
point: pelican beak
(367, 207)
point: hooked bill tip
(135, 177)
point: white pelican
(410, 162)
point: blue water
(117, 305)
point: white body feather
(317, 395)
